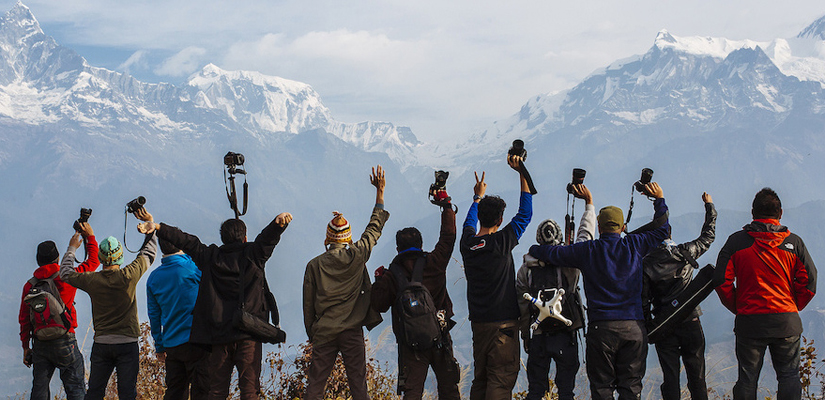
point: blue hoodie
(611, 268)
(171, 291)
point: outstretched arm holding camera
(525, 208)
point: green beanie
(111, 252)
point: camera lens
(578, 176)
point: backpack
(547, 277)
(47, 312)
(414, 315)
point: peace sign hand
(481, 187)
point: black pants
(561, 347)
(616, 358)
(413, 367)
(186, 365)
(350, 343)
(105, 358)
(785, 352)
(243, 355)
(688, 342)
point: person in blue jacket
(171, 291)
(491, 288)
(612, 272)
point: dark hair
(490, 211)
(167, 247)
(233, 231)
(408, 238)
(766, 204)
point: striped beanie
(549, 233)
(338, 230)
(111, 252)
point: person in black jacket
(413, 364)
(218, 296)
(668, 270)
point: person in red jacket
(61, 353)
(765, 276)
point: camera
(233, 159)
(438, 190)
(85, 213)
(647, 176)
(135, 205)
(518, 149)
(578, 179)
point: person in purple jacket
(612, 272)
(491, 288)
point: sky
(443, 68)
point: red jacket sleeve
(92, 262)
(804, 283)
(24, 318)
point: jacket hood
(767, 232)
(45, 271)
(175, 260)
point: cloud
(137, 61)
(183, 63)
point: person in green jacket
(114, 313)
(337, 290)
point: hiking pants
(688, 342)
(186, 365)
(496, 354)
(351, 345)
(616, 357)
(245, 355)
(61, 353)
(785, 353)
(561, 347)
(106, 358)
(413, 367)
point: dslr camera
(233, 161)
(438, 190)
(85, 213)
(517, 149)
(578, 179)
(135, 205)
(647, 176)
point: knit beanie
(47, 253)
(111, 252)
(338, 230)
(549, 233)
(611, 218)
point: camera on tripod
(438, 190)
(234, 165)
(85, 213)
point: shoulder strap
(418, 269)
(241, 291)
(400, 277)
(559, 282)
(689, 258)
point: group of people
(764, 275)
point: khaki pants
(496, 354)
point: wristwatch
(476, 197)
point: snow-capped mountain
(43, 83)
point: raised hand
(75, 241)
(283, 219)
(706, 198)
(514, 162)
(481, 187)
(583, 193)
(654, 190)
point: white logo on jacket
(789, 246)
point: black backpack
(47, 312)
(547, 277)
(414, 315)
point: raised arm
(92, 262)
(379, 216)
(446, 239)
(701, 244)
(265, 242)
(145, 258)
(471, 221)
(68, 273)
(587, 226)
(525, 207)
(190, 244)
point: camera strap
(630, 209)
(232, 195)
(526, 174)
(569, 221)
(125, 226)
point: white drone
(548, 308)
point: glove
(379, 272)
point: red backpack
(47, 312)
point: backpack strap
(401, 276)
(418, 270)
(687, 256)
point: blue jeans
(785, 352)
(63, 354)
(105, 358)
